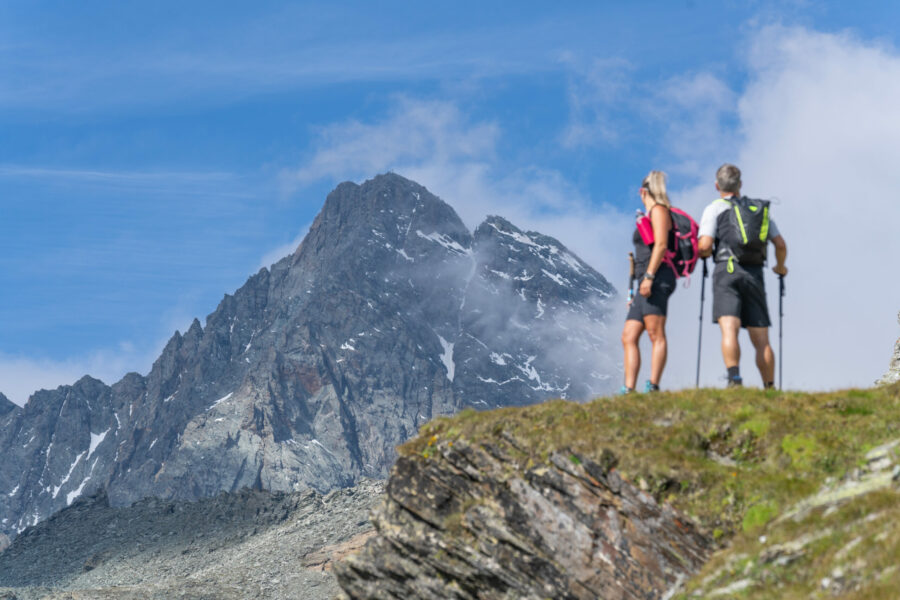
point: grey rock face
(470, 521)
(893, 372)
(388, 314)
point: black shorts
(741, 294)
(658, 302)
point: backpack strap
(724, 253)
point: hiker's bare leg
(656, 329)
(731, 351)
(765, 358)
(631, 335)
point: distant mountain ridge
(389, 313)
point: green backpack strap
(764, 230)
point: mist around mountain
(388, 314)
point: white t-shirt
(711, 215)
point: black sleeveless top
(642, 251)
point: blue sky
(154, 155)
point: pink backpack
(683, 257)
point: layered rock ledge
(459, 522)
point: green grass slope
(799, 490)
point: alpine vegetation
(389, 313)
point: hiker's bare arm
(780, 255)
(661, 224)
(704, 246)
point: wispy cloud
(414, 131)
(114, 176)
(612, 103)
(275, 49)
(219, 183)
(600, 92)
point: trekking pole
(631, 278)
(780, 328)
(700, 334)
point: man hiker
(736, 231)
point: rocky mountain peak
(6, 405)
(387, 216)
(388, 314)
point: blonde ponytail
(655, 183)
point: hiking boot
(650, 387)
(624, 391)
(734, 382)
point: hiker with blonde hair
(647, 310)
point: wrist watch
(649, 276)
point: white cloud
(820, 132)
(414, 132)
(823, 134)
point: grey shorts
(658, 302)
(741, 294)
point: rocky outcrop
(893, 372)
(242, 546)
(697, 494)
(389, 314)
(464, 522)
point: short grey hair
(728, 177)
